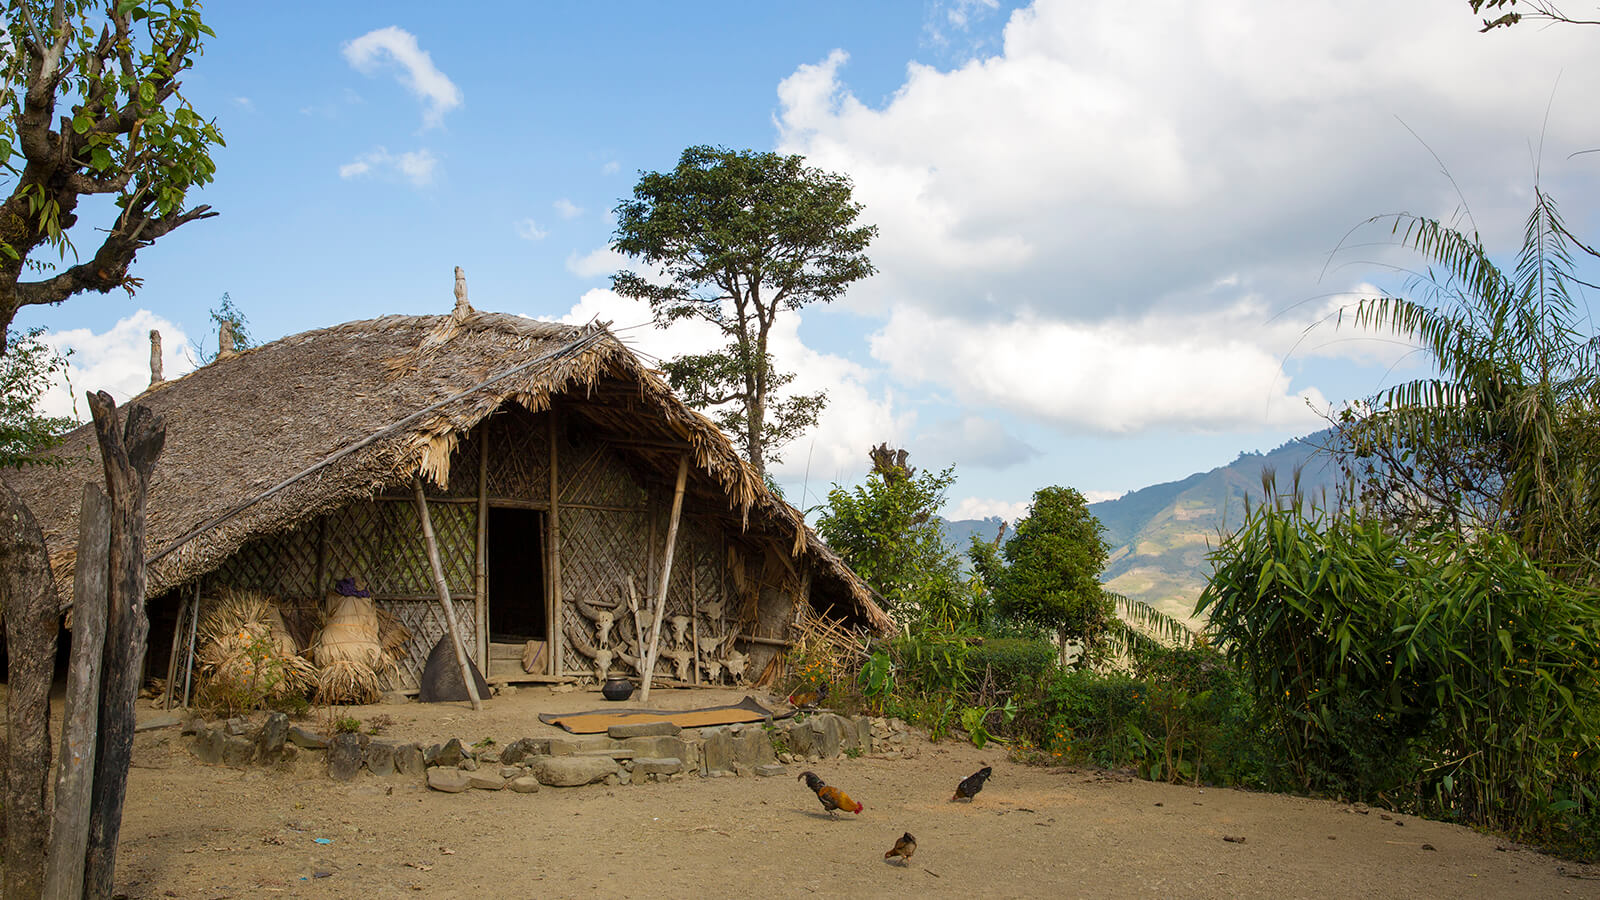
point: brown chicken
(972, 784)
(830, 797)
(903, 848)
(809, 699)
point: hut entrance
(516, 575)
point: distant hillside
(1160, 535)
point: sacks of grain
(246, 654)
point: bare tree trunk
(128, 454)
(69, 831)
(31, 613)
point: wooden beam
(694, 617)
(481, 576)
(69, 831)
(451, 625)
(666, 577)
(553, 614)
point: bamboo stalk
(481, 576)
(694, 618)
(666, 576)
(172, 654)
(557, 641)
(444, 594)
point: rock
(849, 735)
(655, 765)
(570, 746)
(613, 779)
(307, 739)
(742, 770)
(505, 690)
(151, 723)
(562, 688)
(786, 757)
(486, 781)
(451, 781)
(467, 764)
(824, 735)
(510, 771)
(344, 757)
(287, 753)
(663, 746)
(571, 771)
(192, 723)
(718, 750)
(489, 753)
(522, 748)
(380, 758)
(752, 747)
(238, 725)
(237, 750)
(207, 745)
(863, 733)
(643, 729)
(408, 760)
(800, 739)
(395, 698)
(524, 784)
(441, 676)
(269, 742)
(451, 754)
(430, 754)
(771, 769)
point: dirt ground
(195, 831)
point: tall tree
(26, 434)
(741, 237)
(125, 132)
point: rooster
(903, 848)
(831, 797)
(809, 699)
(972, 784)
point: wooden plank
(69, 831)
(439, 583)
(666, 578)
(481, 576)
(553, 614)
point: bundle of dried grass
(344, 682)
(245, 652)
(350, 634)
(392, 637)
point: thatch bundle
(347, 682)
(245, 649)
(359, 644)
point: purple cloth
(347, 587)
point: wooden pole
(556, 642)
(481, 577)
(194, 631)
(666, 577)
(172, 654)
(129, 455)
(69, 831)
(444, 594)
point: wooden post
(481, 577)
(69, 831)
(556, 642)
(666, 578)
(172, 653)
(694, 618)
(194, 631)
(444, 594)
(129, 455)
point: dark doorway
(516, 575)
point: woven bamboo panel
(281, 565)
(381, 542)
(599, 550)
(425, 620)
(591, 472)
(463, 468)
(519, 455)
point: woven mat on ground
(598, 720)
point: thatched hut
(549, 455)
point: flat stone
(522, 748)
(771, 769)
(307, 739)
(165, 720)
(649, 765)
(269, 742)
(864, 733)
(718, 750)
(467, 764)
(571, 771)
(207, 745)
(451, 781)
(192, 723)
(510, 771)
(237, 750)
(613, 752)
(643, 729)
(486, 781)
(451, 754)
(753, 747)
(572, 746)
(344, 757)
(663, 746)
(430, 754)
(524, 784)
(380, 757)
(395, 698)
(824, 735)
(408, 760)
(800, 742)
(238, 725)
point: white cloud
(597, 263)
(116, 361)
(417, 72)
(415, 166)
(984, 507)
(972, 440)
(529, 230)
(567, 209)
(245, 103)
(611, 168)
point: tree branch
(109, 268)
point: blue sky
(1104, 228)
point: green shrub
(1004, 666)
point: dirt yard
(194, 831)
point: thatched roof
(248, 422)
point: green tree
(227, 315)
(1048, 574)
(1536, 10)
(1504, 437)
(25, 372)
(92, 107)
(888, 530)
(741, 237)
